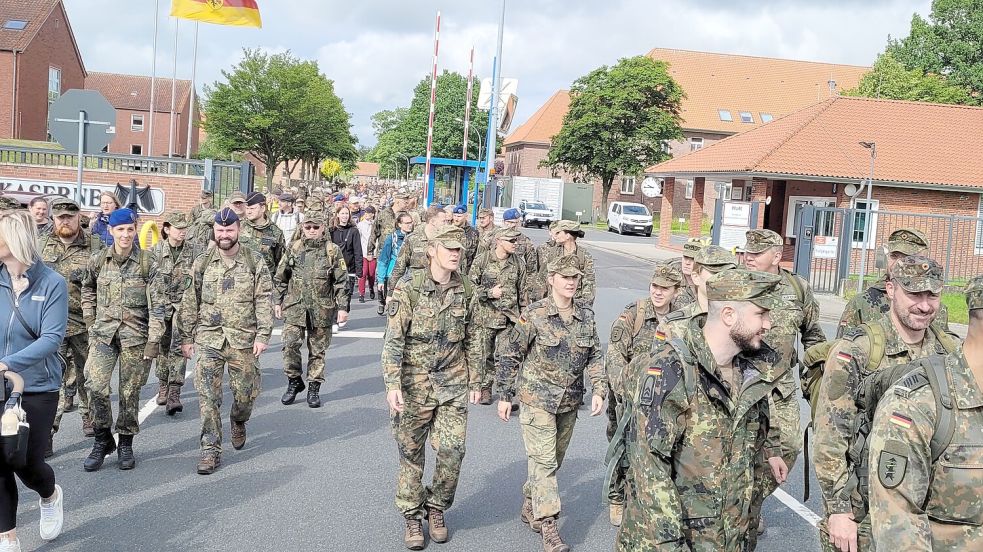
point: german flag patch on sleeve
(902, 421)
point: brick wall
(6, 95)
(125, 137)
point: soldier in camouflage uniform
(67, 251)
(226, 312)
(385, 223)
(710, 260)
(203, 206)
(174, 259)
(873, 303)
(687, 292)
(556, 343)
(413, 254)
(486, 229)
(697, 424)
(524, 248)
(564, 236)
(237, 202)
(498, 276)
(311, 285)
(124, 309)
(763, 251)
(906, 334)
(259, 232)
(431, 369)
(919, 501)
(631, 335)
(460, 219)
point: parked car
(536, 213)
(629, 217)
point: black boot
(313, 394)
(372, 294)
(294, 386)
(104, 446)
(125, 453)
(361, 298)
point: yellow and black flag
(242, 13)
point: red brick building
(725, 95)
(39, 60)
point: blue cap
(511, 214)
(226, 217)
(460, 209)
(339, 197)
(122, 216)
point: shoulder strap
(689, 365)
(145, 258)
(800, 291)
(946, 340)
(945, 425)
(639, 319)
(20, 318)
(878, 343)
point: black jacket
(348, 240)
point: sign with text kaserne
(90, 192)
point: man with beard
(904, 335)
(226, 313)
(121, 302)
(696, 423)
(260, 233)
(67, 251)
(460, 219)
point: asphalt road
(324, 479)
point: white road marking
(797, 507)
(353, 334)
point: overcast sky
(377, 50)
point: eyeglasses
(312, 227)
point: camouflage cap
(974, 293)
(666, 275)
(314, 212)
(64, 206)
(566, 265)
(908, 241)
(692, 247)
(449, 236)
(570, 227)
(485, 211)
(715, 258)
(402, 194)
(759, 240)
(178, 220)
(9, 203)
(916, 274)
(236, 197)
(760, 288)
(507, 234)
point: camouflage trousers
(785, 413)
(546, 437)
(172, 367)
(133, 373)
(616, 493)
(865, 540)
(318, 341)
(245, 382)
(445, 426)
(488, 337)
(75, 349)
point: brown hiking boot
(438, 529)
(87, 429)
(238, 435)
(486, 397)
(161, 393)
(210, 461)
(174, 399)
(413, 537)
(527, 517)
(615, 513)
(551, 537)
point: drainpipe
(13, 99)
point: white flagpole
(153, 82)
(170, 134)
(191, 100)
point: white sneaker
(52, 516)
(334, 328)
(341, 325)
(7, 545)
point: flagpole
(170, 134)
(153, 81)
(467, 109)
(433, 108)
(191, 101)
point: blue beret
(255, 198)
(511, 214)
(122, 216)
(460, 209)
(226, 217)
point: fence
(222, 177)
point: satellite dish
(850, 190)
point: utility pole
(867, 225)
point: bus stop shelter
(458, 183)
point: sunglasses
(312, 227)
(510, 240)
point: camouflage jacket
(174, 266)
(686, 296)
(228, 303)
(385, 224)
(470, 248)
(624, 345)
(428, 347)
(71, 262)
(837, 412)
(694, 444)
(588, 284)
(915, 505)
(801, 320)
(486, 238)
(554, 356)
(489, 271)
(123, 297)
(312, 282)
(267, 238)
(873, 304)
(413, 254)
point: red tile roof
(545, 123)
(132, 92)
(366, 169)
(917, 143)
(34, 12)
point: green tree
(618, 119)
(279, 108)
(890, 79)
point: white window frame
(136, 146)
(766, 117)
(730, 116)
(872, 241)
(688, 192)
(134, 127)
(750, 117)
(695, 143)
(724, 190)
(628, 185)
(54, 94)
(826, 201)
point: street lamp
(477, 133)
(870, 184)
(402, 155)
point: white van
(629, 217)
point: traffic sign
(99, 121)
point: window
(666, 147)
(979, 228)
(54, 83)
(639, 210)
(824, 222)
(136, 123)
(15, 24)
(628, 185)
(688, 194)
(724, 190)
(695, 143)
(746, 117)
(860, 227)
(136, 149)
(725, 115)
(766, 117)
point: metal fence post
(245, 177)
(208, 176)
(948, 250)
